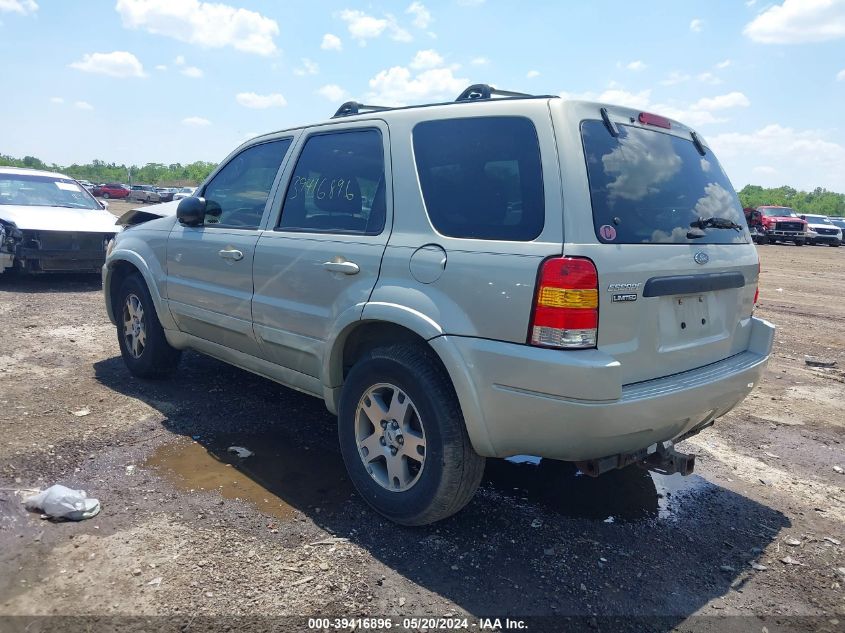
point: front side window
(338, 185)
(238, 193)
(649, 187)
(481, 177)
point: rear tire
(414, 462)
(799, 242)
(144, 348)
(106, 195)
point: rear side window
(481, 177)
(237, 194)
(648, 187)
(338, 185)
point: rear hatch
(661, 221)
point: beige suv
(504, 274)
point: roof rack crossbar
(486, 91)
(353, 107)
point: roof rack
(353, 107)
(486, 91)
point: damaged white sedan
(50, 223)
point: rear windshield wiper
(698, 226)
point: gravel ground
(192, 532)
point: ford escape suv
(504, 274)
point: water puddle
(631, 494)
(280, 477)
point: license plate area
(686, 321)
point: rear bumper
(571, 406)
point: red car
(111, 190)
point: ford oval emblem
(701, 258)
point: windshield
(647, 187)
(778, 212)
(44, 191)
(838, 222)
(817, 219)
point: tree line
(98, 171)
(818, 201)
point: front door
(209, 267)
(321, 258)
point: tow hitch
(664, 459)
(667, 461)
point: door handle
(231, 253)
(347, 268)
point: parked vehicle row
(139, 192)
(769, 224)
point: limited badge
(607, 233)
(624, 297)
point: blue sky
(141, 81)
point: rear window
(481, 177)
(647, 187)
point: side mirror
(191, 211)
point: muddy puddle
(283, 476)
(631, 494)
(279, 478)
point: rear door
(209, 267)
(673, 296)
(320, 257)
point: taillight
(566, 304)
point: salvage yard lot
(189, 529)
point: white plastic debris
(60, 502)
(82, 412)
(240, 451)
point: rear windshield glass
(648, 187)
(481, 177)
(778, 212)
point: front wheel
(106, 195)
(403, 438)
(800, 242)
(144, 348)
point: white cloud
(750, 3)
(675, 77)
(398, 86)
(208, 24)
(363, 27)
(424, 60)
(192, 71)
(57, 100)
(636, 66)
(765, 170)
(531, 74)
(260, 102)
(195, 121)
(696, 25)
(180, 60)
(840, 76)
(161, 67)
(810, 159)
(331, 43)
(722, 102)
(116, 64)
(83, 105)
(615, 96)
(309, 67)
(332, 92)
(471, 3)
(724, 64)
(798, 21)
(22, 7)
(422, 16)
(709, 78)
(479, 61)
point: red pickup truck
(776, 224)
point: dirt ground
(190, 533)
